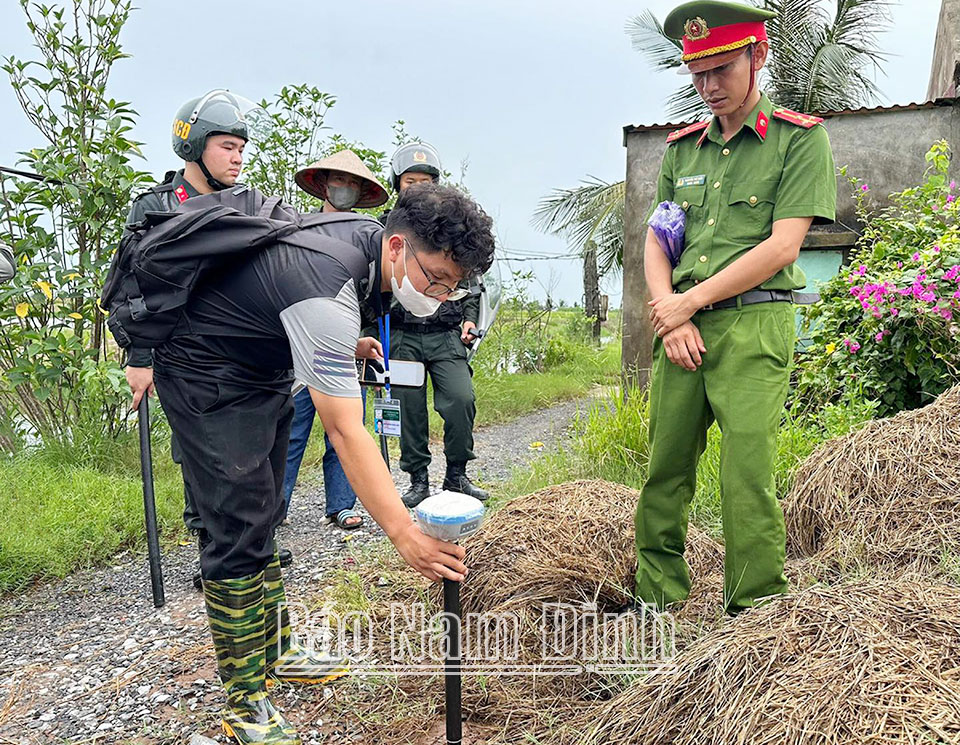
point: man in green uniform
(751, 180)
(438, 340)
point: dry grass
(886, 497)
(569, 544)
(871, 662)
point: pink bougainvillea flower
(916, 256)
(894, 312)
(864, 188)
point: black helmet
(217, 112)
(416, 157)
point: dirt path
(89, 659)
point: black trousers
(233, 444)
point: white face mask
(409, 296)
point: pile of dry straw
(572, 544)
(886, 497)
(873, 661)
(863, 660)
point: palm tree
(590, 212)
(818, 63)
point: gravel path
(88, 659)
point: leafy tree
(61, 378)
(818, 62)
(294, 135)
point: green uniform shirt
(733, 191)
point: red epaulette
(680, 133)
(794, 117)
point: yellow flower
(73, 275)
(45, 286)
(831, 348)
(536, 445)
(22, 310)
(77, 316)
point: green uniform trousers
(445, 358)
(742, 384)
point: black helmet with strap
(217, 112)
(415, 157)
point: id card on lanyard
(386, 411)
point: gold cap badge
(696, 29)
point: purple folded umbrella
(669, 222)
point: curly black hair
(444, 219)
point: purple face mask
(669, 223)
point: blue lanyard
(383, 323)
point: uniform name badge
(386, 417)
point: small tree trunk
(591, 288)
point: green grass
(56, 517)
(64, 508)
(610, 442)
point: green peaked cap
(714, 12)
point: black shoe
(286, 557)
(197, 580)
(457, 480)
(419, 488)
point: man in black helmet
(209, 134)
(439, 340)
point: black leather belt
(752, 297)
(424, 328)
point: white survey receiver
(449, 516)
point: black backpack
(162, 259)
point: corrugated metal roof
(916, 106)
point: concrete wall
(883, 148)
(946, 53)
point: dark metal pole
(384, 449)
(451, 610)
(149, 504)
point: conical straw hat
(313, 178)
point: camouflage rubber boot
(288, 661)
(235, 613)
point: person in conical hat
(343, 182)
(750, 181)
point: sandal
(340, 519)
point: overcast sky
(534, 94)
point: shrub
(887, 327)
